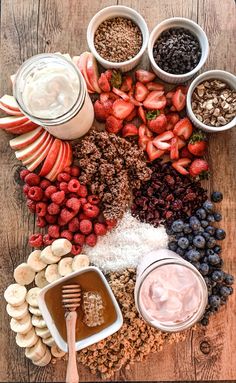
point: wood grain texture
(29, 27)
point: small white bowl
(79, 345)
(109, 13)
(196, 30)
(227, 77)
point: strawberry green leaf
(152, 114)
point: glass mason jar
(170, 293)
(51, 92)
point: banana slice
(49, 341)
(61, 247)
(40, 279)
(80, 261)
(32, 296)
(35, 262)
(57, 352)
(35, 311)
(48, 257)
(51, 273)
(23, 274)
(44, 360)
(65, 266)
(27, 340)
(15, 294)
(36, 352)
(17, 312)
(43, 332)
(38, 321)
(21, 326)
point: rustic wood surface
(29, 27)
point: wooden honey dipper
(71, 297)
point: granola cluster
(112, 167)
(133, 342)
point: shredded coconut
(124, 246)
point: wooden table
(29, 27)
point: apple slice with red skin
(11, 112)
(29, 150)
(66, 159)
(51, 158)
(25, 139)
(69, 155)
(92, 72)
(12, 122)
(37, 152)
(24, 128)
(9, 102)
(81, 63)
(58, 164)
(39, 159)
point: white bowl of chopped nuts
(211, 101)
(118, 36)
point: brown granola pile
(112, 167)
(133, 342)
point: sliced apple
(51, 157)
(92, 72)
(69, 155)
(37, 152)
(26, 152)
(11, 112)
(9, 102)
(12, 122)
(57, 164)
(24, 128)
(25, 139)
(33, 165)
(81, 63)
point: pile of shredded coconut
(125, 245)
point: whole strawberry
(199, 168)
(197, 144)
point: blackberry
(201, 214)
(220, 234)
(216, 196)
(208, 206)
(183, 243)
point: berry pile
(195, 241)
(65, 208)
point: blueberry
(193, 255)
(179, 235)
(208, 206)
(220, 234)
(183, 243)
(214, 301)
(231, 290)
(180, 251)
(223, 300)
(202, 252)
(201, 214)
(217, 276)
(224, 291)
(172, 246)
(216, 196)
(196, 264)
(214, 259)
(204, 268)
(208, 281)
(204, 223)
(210, 229)
(199, 231)
(211, 242)
(194, 223)
(204, 321)
(187, 229)
(190, 238)
(205, 260)
(218, 217)
(210, 218)
(217, 249)
(169, 231)
(199, 241)
(209, 252)
(177, 226)
(206, 236)
(229, 279)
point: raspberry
(32, 179)
(53, 208)
(91, 240)
(50, 190)
(79, 239)
(23, 174)
(74, 204)
(66, 216)
(31, 205)
(90, 210)
(41, 222)
(47, 240)
(63, 177)
(82, 216)
(74, 225)
(26, 189)
(76, 249)
(67, 234)
(73, 186)
(111, 223)
(53, 231)
(58, 197)
(82, 192)
(44, 184)
(93, 199)
(41, 209)
(51, 218)
(75, 171)
(35, 193)
(36, 240)
(83, 201)
(100, 229)
(63, 186)
(45, 199)
(67, 170)
(86, 226)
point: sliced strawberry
(158, 125)
(104, 83)
(108, 74)
(141, 114)
(185, 153)
(126, 84)
(153, 152)
(199, 167)
(144, 76)
(121, 109)
(132, 115)
(107, 96)
(181, 143)
(160, 140)
(169, 96)
(179, 99)
(100, 111)
(108, 107)
(121, 94)
(173, 109)
(141, 91)
(129, 130)
(172, 119)
(155, 100)
(144, 131)
(183, 128)
(154, 86)
(174, 150)
(180, 165)
(197, 144)
(142, 142)
(113, 124)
